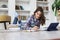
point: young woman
(36, 19)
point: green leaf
(55, 5)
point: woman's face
(37, 14)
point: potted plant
(56, 6)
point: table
(18, 35)
(5, 23)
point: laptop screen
(52, 26)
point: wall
(11, 9)
(52, 18)
(51, 13)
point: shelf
(23, 10)
(22, 1)
(42, 2)
(47, 19)
(46, 11)
(23, 20)
(3, 0)
(3, 9)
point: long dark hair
(42, 18)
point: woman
(36, 19)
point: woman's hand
(35, 28)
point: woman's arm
(36, 27)
(28, 24)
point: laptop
(52, 27)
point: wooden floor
(20, 35)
